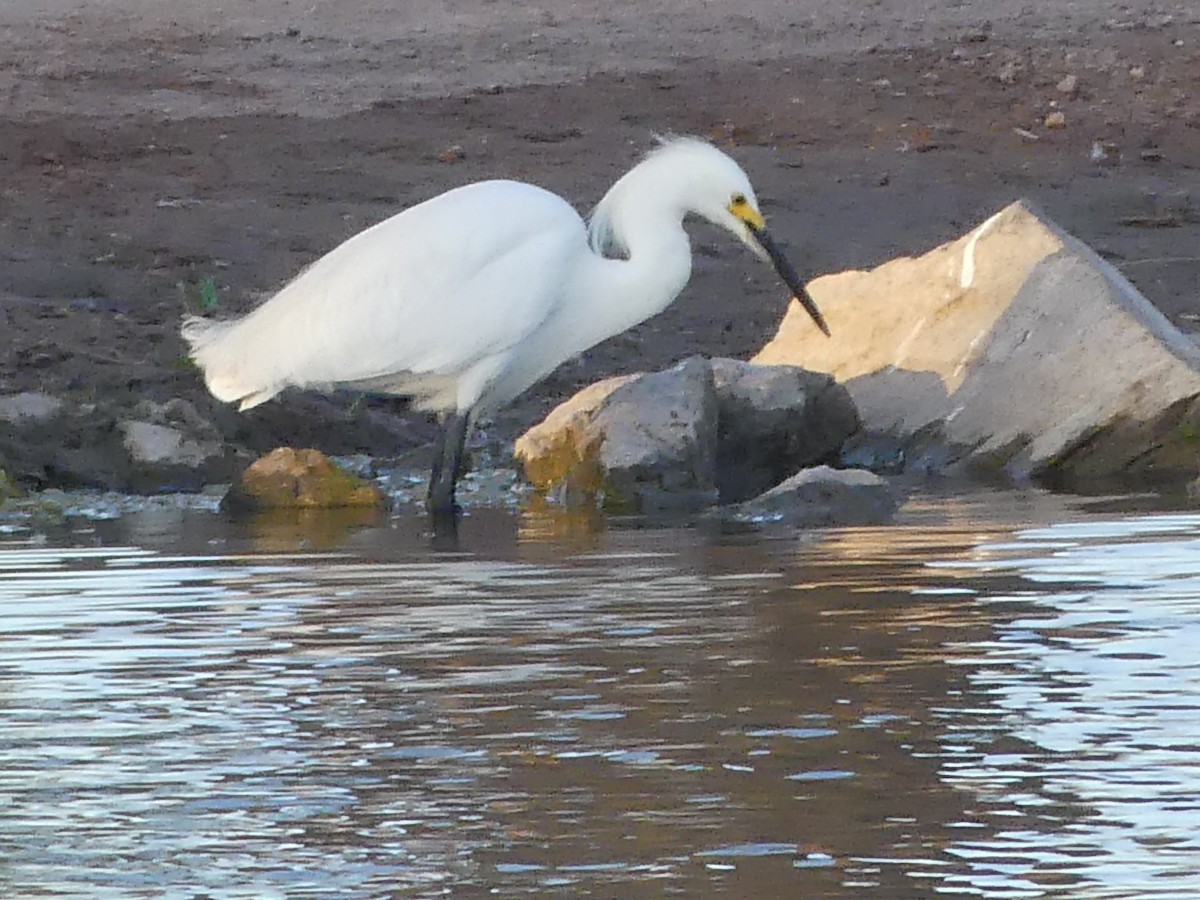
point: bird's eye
(738, 200)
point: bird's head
(688, 175)
(720, 191)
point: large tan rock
(1014, 347)
(299, 479)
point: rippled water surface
(998, 698)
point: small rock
(298, 479)
(1137, 73)
(166, 445)
(821, 497)
(452, 154)
(1069, 85)
(29, 407)
(149, 442)
(1056, 119)
(1009, 71)
(1104, 153)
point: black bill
(788, 274)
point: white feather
(465, 300)
(428, 292)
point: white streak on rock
(967, 275)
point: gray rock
(700, 432)
(774, 421)
(119, 440)
(148, 442)
(1014, 349)
(637, 443)
(821, 497)
(24, 408)
(171, 444)
(145, 449)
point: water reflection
(1099, 675)
(198, 708)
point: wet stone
(299, 479)
(702, 432)
(821, 497)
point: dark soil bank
(117, 206)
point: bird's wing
(433, 290)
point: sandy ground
(147, 144)
(328, 57)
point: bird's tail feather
(215, 346)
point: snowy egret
(464, 301)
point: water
(996, 698)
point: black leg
(445, 532)
(448, 464)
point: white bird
(464, 301)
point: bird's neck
(607, 297)
(624, 292)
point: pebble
(1008, 72)
(1104, 153)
